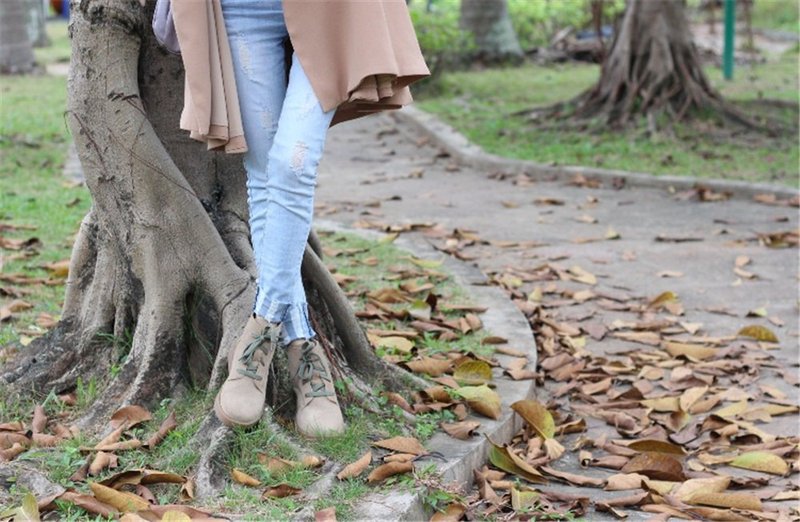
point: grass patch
(478, 104)
(33, 146)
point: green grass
(33, 147)
(478, 104)
(781, 15)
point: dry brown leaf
(658, 466)
(399, 457)
(402, 445)
(727, 500)
(102, 461)
(482, 399)
(276, 464)
(387, 470)
(129, 416)
(428, 365)
(142, 476)
(39, 419)
(120, 500)
(463, 430)
(356, 468)
(280, 491)
(89, 503)
(685, 491)
(12, 452)
(624, 481)
(503, 458)
(537, 417)
(243, 478)
(658, 446)
(692, 351)
(452, 513)
(167, 425)
(572, 478)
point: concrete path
(377, 171)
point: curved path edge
(468, 153)
(460, 457)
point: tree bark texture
(163, 256)
(16, 48)
(37, 26)
(489, 22)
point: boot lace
(312, 371)
(258, 344)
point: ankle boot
(240, 401)
(318, 412)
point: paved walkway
(375, 171)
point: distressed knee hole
(299, 157)
(244, 56)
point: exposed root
(212, 441)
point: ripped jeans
(285, 129)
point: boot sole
(227, 421)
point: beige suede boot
(318, 412)
(240, 401)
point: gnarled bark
(163, 257)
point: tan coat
(359, 55)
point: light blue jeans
(285, 129)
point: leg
(257, 33)
(291, 180)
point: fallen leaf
(91, 504)
(452, 513)
(129, 416)
(401, 445)
(167, 425)
(761, 461)
(243, 478)
(658, 446)
(463, 430)
(727, 500)
(356, 468)
(624, 481)
(325, 515)
(429, 365)
(759, 333)
(120, 500)
(691, 351)
(582, 276)
(502, 458)
(537, 417)
(175, 516)
(482, 399)
(572, 478)
(473, 373)
(280, 491)
(658, 466)
(701, 485)
(102, 461)
(385, 471)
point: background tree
(651, 69)
(37, 26)
(163, 257)
(488, 21)
(16, 49)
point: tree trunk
(489, 22)
(16, 49)
(37, 26)
(164, 255)
(652, 69)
